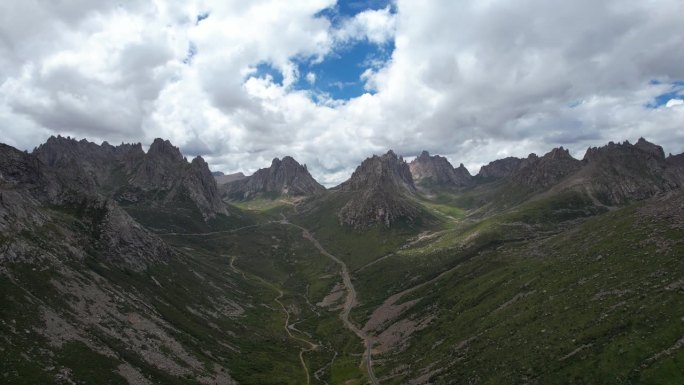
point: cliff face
(619, 173)
(541, 173)
(165, 177)
(28, 186)
(283, 177)
(162, 176)
(388, 172)
(437, 171)
(500, 168)
(380, 186)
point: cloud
(376, 26)
(472, 80)
(674, 102)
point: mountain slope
(380, 189)
(617, 174)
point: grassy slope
(515, 313)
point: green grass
(561, 278)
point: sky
(333, 82)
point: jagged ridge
(437, 171)
(283, 177)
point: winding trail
(349, 301)
(287, 326)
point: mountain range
(125, 266)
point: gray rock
(380, 187)
(437, 171)
(284, 177)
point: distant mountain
(381, 188)
(500, 168)
(164, 177)
(284, 177)
(540, 173)
(619, 173)
(160, 177)
(223, 178)
(437, 171)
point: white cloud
(377, 26)
(472, 80)
(674, 102)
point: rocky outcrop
(676, 161)
(27, 186)
(379, 189)
(539, 173)
(437, 171)
(122, 241)
(161, 168)
(88, 167)
(653, 149)
(619, 173)
(500, 168)
(164, 177)
(284, 177)
(388, 172)
(160, 177)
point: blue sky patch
(338, 75)
(264, 70)
(676, 92)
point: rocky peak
(676, 160)
(424, 156)
(161, 148)
(436, 170)
(642, 149)
(284, 176)
(538, 173)
(87, 166)
(618, 173)
(378, 193)
(651, 148)
(500, 168)
(387, 172)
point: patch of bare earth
(396, 336)
(335, 297)
(94, 304)
(665, 353)
(132, 375)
